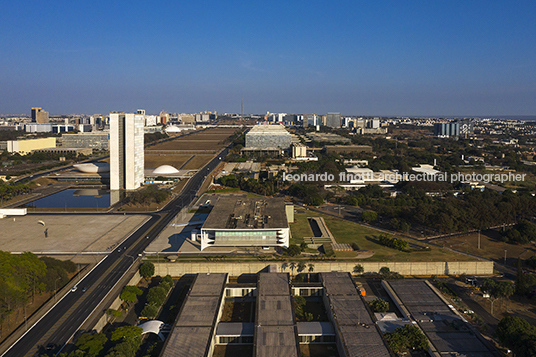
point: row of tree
(123, 341)
(25, 275)
(156, 297)
(394, 243)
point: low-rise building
(238, 221)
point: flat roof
(315, 328)
(235, 329)
(208, 284)
(237, 212)
(194, 326)
(273, 284)
(198, 311)
(276, 333)
(187, 342)
(276, 341)
(444, 328)
(268, 129)
(358, 333)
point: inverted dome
(165, 170)
(96, 167)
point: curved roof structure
(153, 326)
(172, 129)
(165, 170)
(94, 167)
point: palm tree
(311, 269)
(301, 266)
(292, 266)
(358, 269)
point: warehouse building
(238, 221)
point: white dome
(173, 129)
(165, 170)
(96, 167)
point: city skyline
(385, 59)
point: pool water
(73, 198)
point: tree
(292, 266)
(379, 305)
(358, 269)
(156, 295)
(517, 334)
(311, 269)
(385, 271)
(147, 270)
(149, 311)
(91, 343)
(369, 216)
(301, 266)
(531, 262)
(303, 246)
(293, 250)
(129, 293)
(126, 333)
(406, 338)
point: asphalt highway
(64, 319)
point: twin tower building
(126, 150)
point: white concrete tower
(126, 151)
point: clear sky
(414, 57)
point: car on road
(84, 289)
(74, 289)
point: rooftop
(360, 336)
(240, 212)
(444, 328)
(269, 129)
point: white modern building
(238, 221)
(126, 150)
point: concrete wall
(404, 268)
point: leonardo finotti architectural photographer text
(395, 176)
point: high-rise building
(39, 115)
(446, 130)
(333, 120)
(126, 150)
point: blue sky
(356, 57)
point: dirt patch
(314, 350)
(154, 161)
(233, 350)
(491, 246)
(197, 162)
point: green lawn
(349, 232)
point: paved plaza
(66, 233)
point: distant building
(347, 148)
(94, 140)
(268, 136)
(126, 150)
(47, 128)
(39, 115)
(333, 120)
(466, 127)
(25, 147)
(241, 221)
(446, 130)
(311, 120)
(299, 150)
